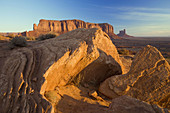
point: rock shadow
(70, 105)
(99, 70)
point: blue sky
(139, 17)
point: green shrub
(18, 41)
(46, 36)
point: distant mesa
(123, 34)
(63, 26)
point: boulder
(27, 73)
(147, 80)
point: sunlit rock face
(27, 73)
(147, 80)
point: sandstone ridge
(30, 72)
(63, 26)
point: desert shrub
(18, 41)
(124, 52)
(46, 36)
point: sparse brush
(18, 41)
(46, 36)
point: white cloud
(138, 9)
(149, 30)
(142, 16)
(140, 21)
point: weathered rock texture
(63, 26)
(70, 99)
(147, 80)
(126, 104)
(27, 73)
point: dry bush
(46, 36)
(18, 41)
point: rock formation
(63, 26)
(123, 34)
(147, 80)
(126, 104)
(27, 73)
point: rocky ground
(81, 71)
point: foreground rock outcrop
(63, 26)
(27, 73)
(126, 104)
(147, 80)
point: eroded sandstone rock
(147, 80)
(28, 72)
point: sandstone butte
(41, 77)
(63, 26)
(147, 80)
(123, 34)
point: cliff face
(63, 26)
